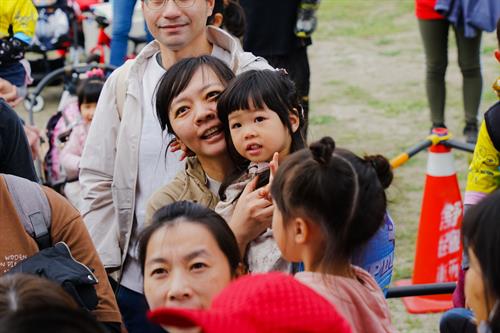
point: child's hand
(265, 192)
(176, 145)
(252, 215)
(33, 134)
(8, 92)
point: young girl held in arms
(261, 116)
(327, 203)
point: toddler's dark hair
(335, 188)
(258, 89)
(89, 90)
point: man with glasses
(124, 162)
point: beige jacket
(263, 254)
(109, 164)
(190, 184)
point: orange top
(67, 226)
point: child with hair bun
(327, 203)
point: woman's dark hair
(178, 77)
(481, 233)
(23, 291)
(259, 88)
(340, 191)
(89, 90)
(50, 318)
(185, 211)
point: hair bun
(322, 150)
(382, 167)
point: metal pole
(421, 290)
(404, 157)
(468, 147)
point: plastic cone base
(424, 304)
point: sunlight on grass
(362, 18)
(321, 120)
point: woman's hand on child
(176, 145)
(252, 215)
(265, 192)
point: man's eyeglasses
(159, 4)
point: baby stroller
(52, 42)
(57, 32)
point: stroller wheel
(37, 106)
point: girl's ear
(294, 119)
(300, 230)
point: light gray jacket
(109, 164)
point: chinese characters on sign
(449, 242)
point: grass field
(367, 92)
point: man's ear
(497, 55)
(300, 230)
(294, 120)
(218, 18)
(210, 7)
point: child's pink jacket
(72, 151)
(359, 300)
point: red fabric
(264, 303)
(85, 4)
(424, 10)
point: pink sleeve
(473, 197)
(71, 153)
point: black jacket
(15, 152)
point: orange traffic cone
(439, 249)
